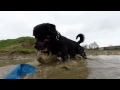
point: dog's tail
(81, 38)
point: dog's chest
(56, 48)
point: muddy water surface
(72, 69)
(104, 67)
(97, 67)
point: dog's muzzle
(38, 45)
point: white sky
(102, 27)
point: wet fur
(48, 37)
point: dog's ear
(51, 28)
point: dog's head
(45, 34)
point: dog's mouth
(41, 51)
(39, 48)
(41, 45)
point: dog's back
(73, 46)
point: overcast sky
(102, 27)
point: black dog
(77, 49)
(48, 37)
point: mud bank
(102, 52)
(17, 56)
(23, 56)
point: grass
(20, 40)
(22, 45)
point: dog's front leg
(49, 52)
(64, 55)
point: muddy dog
(48, 37)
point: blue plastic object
(20, 69)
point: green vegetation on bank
(21, 44)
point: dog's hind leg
(80, 51)
(83, 54)
(72, 54)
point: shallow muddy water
(97, 67)
(104, 67)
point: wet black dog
(79, 49)
(48, 37)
